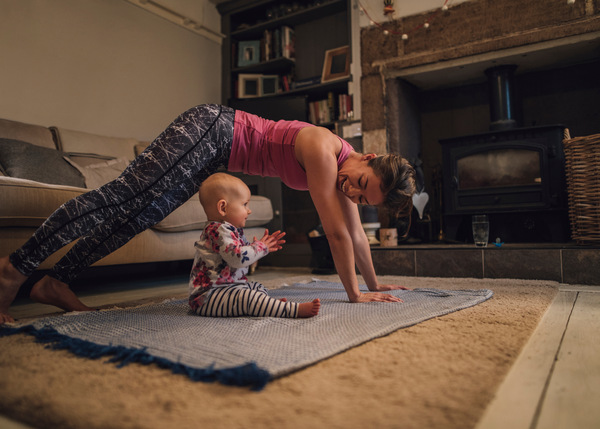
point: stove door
(498, 177)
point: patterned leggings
(167, 174)
(250, 299)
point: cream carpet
(441, 373)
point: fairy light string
(405, 34)
(388, 10)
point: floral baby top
(223, 255)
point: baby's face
(238, 207)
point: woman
(172, 169)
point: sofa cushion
(29, 203)
(28, 161)
(34, 134)
(101, 173)
(191, 215)
(85, 159)
(81, 142)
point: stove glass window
(499, 168)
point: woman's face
(358, 182)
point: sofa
(43, 167)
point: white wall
(103, 66)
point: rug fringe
(245, 375)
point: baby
(218, 283)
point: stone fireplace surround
(454, 52)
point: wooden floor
(555, 382)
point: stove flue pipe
(501, 90)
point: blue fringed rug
(245, 350)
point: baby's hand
(273, 241)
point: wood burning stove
(514, 175)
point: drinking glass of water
(481, 230)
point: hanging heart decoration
(420, 201)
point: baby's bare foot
(309, 309)
(10, 282)
(283, 300)
(54, 292)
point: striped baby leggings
(160, 179)
(250, 299)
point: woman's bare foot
(309, 309)
(54, 292)
(10, 282)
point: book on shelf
(278, 43)
(288, 42)
(307, 82)
(345, 107)
(319, 112)
(333, 108)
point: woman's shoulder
(317, 141)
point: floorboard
(517, 399)
(573, 394)
(579, 288)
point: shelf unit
(319, 26)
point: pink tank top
(266, 148)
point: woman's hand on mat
(381, 288)
(377, 297)
(273, 241)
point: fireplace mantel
(529, 58)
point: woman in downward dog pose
(171, 170)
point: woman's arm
(320, 162)
(362, 249)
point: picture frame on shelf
(248, 53)
(337, 64)
(269, 84)
(249, 85)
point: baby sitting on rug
(218, 283)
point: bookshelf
(317, 26)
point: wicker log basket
(582, 162)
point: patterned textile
(178, 338)
(248, 299)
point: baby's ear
(222, 207)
